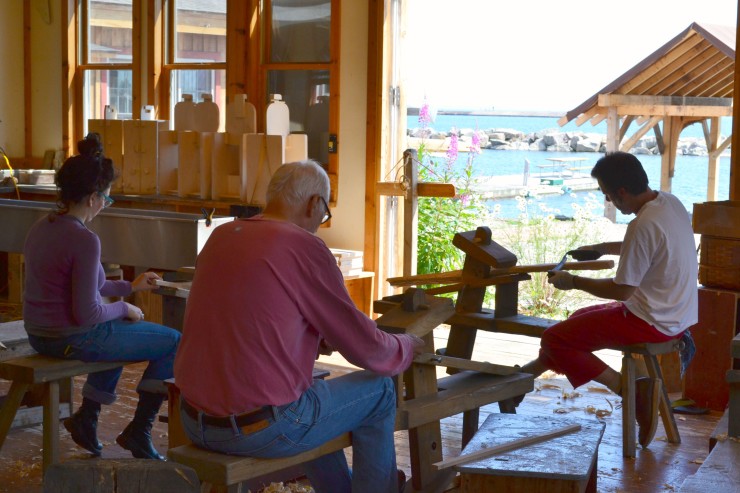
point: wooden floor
(660, 468)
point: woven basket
(719, 263)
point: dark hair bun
(90, 145)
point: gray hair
(296, 182)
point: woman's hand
(145, 282)
(134, 313)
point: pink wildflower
(465, 199)
(475, 143)
(452, 150)
(425, 118)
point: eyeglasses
(107, 201)
(327, 215)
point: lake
(689, 181)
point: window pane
(109, 32)
(107, 88)
(300, 31)
(306, 92)
(200, 31)
(197, 83)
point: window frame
(246, 66)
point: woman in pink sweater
(65, 315)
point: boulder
(587, 145)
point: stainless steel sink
(143, 238)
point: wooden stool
(226, 472)
(565, 464)
(648, 351)
(51, 373)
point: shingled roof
(695, 69)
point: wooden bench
(226, 472)
(567, 463)
(648, 351)
(51, 373)
(14, 344)
(733, 380)
(720, 471)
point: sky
(537, 55)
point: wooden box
(719, 264)
(140, 155)
(111, 136)
(705, 379)
(720, 218)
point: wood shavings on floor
(287, 488)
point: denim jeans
(117, 340)
(360, 402)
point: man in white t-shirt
(655, 288)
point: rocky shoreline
(506, 139)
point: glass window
(200, 31)
(197, 83)
(110, 88)
(109, 32)
(306, 92)
(300, 31)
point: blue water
(689, 181)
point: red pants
(567, 346)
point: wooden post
(612, 145)
(712, 147)
(410, 212)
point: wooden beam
(625, 126)
(713, 165)
(422, 189)
(612, 144)
(676, 56)
(688, 72)
(667, 105)
(735, 158)
(652, 122)
(27, 89)
(464, 364)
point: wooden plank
(685, 50)
(39, 368)
(464, 364)
(425, 438)
(461, 392)
(422, 189)
(223, 469)
(667, 105)
(515, 324)
(419, 323)
(505, 447)
(455, 276)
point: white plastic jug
(206, 115)
(277, 117)
(241, 116)
(185, 113)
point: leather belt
(261, 416)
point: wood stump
(120, 476)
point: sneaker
(647, 395)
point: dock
(507, 186)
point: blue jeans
(117, 340)
(360, 402)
